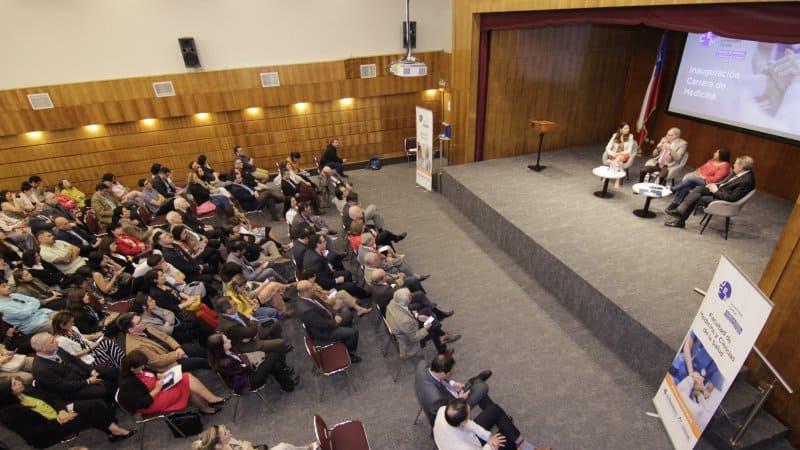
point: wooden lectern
(544, 126)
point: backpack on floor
(374, 163)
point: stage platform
(628, 279)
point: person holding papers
(149, 392)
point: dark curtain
(767, 22)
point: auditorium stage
(628, 279)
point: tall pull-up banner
(424, 148)
(724, 330)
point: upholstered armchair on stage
(675, 170)
(724, 209)
(626, 166)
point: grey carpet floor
(561, 385)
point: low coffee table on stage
(607, 173)
(650, 191)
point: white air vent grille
(164, 89)
(270, 79)
(40, 101)
(368, 71)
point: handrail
(763, 358)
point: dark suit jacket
(319, 324)
(325, 276)
(181, 260)
(431, 395)
(236, 376)
(163, 187)
(61, 378)
(236, 332)
(133, 394)
(33, 427)
(733, 189)
(299, 250)
(72, 239)
(246, 199)
(38, 223)
(381, 296)
(57, 211)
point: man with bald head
(68, 231)
(324, 324)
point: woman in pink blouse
(713, 171)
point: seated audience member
(209, 174)
(123, 195)
(667, 154)
(272, 293)
(43, 419)
(126, 244)
(264, 237)
(251, 200)
(219, 437)
(303, 241)
(109, 249)
(454, 430)
(382, 235)
(175, 277)
(132, 224)
(374, 261)
(15, 364)
(28, 197)
(336, 186)
(69, 232)
(53, 208)
(293, 164)
(383, 291)
(48, 273)
(104, 203)
(162, 351)
(714, 170)
(185, 329)
(26, 284)
(93, 349)
(65, 256)
(246, 333)
(390, 261)
(17, 236)
(245, 372)
(331, 159)
(38, 221)
(23, 311)
(197, 246)
(57, 371)
(300, 190)
(307, 218)
(144, 391)
(316, 259)
(732, 189)
(323, 324)
(156, 203)
(64, 187)
(163, 184)
(203, 191)
(109, 279)
(335, 299)
(412, 328)
(167, 296)
(434, 389)
(11, 205)
(193, 269)
(253, 271)
(248, 164)
(88, 319)
(190, 219)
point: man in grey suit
(410, 329)
(667, 154)
(434, 388)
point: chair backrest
(91, 221)
(144, 213)
(390, 333)
(321, 430)
(729, 209)
(312, 349)
(125, 410)
(410, 143)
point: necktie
(449, 387)
(83, 241)
(319, 305)
(662, 160)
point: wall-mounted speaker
(189, 52)
(412, 34)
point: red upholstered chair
(91, 222)
(149, 219)
(349, 435)
(328, 360)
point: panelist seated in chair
(667, 154)
(735, 187)
(714, 170)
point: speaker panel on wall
(189, 52)
(412, 32)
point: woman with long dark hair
(44, 419)
(43, 270)
(713, 171)
(621, 148)
(244, 372)
(109, 278)
(93, 349)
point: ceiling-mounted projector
(408, 66)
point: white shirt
(448, 437)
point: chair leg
(416, 419)
(236, 407)
(141, 439)
(350, 381)
(707, 218)
(174, 427)
(260, 394)
(727, 225)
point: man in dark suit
(301, 245)
(67, 231)
(382, 291)
(434, 388)
(301, 190)
(732, 189)
(251, 200)
(324, 324)
(246, 334)
(57, 371)
(316, 259)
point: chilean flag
(651, 96)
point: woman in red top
(713, 171)
(126, 244)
